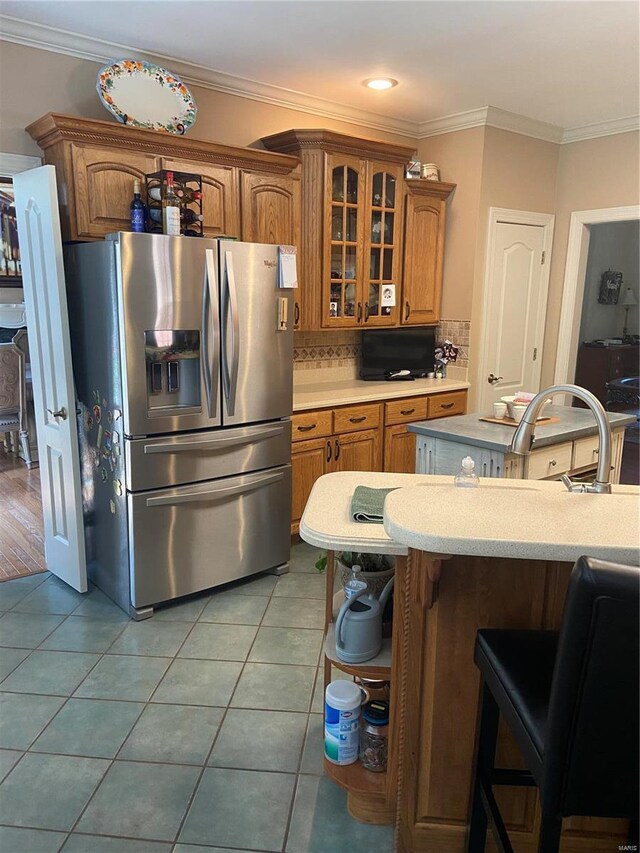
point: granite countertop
(522, 519)
(322, 395)
(468, 429)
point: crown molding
(67, 43)
(491, 117)
(601, 128)
(97, 50)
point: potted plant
(375, 569)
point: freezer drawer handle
(214, 494)
(221, 442)
(230, 372)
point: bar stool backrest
(591, 742)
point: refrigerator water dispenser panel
(173, 369)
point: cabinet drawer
(311, 424)
(404, 411)
(585, 451)
(550, 461)
(443, 405)
(356, 417)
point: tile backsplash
(331, 349)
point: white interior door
(515, 308)
(53, 391)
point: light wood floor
(21, 537)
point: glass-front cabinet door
(343, 303)
(383, 213)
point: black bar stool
(571, 702)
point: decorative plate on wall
(141, 94)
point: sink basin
(13, 315)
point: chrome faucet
(523, 437)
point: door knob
(492, 379)
(61, 413)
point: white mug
(499, 410)
(518, 412)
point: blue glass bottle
(138, 210)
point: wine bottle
(138, 210)
(170, 209)
(187, 216)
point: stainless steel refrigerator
(183, 358)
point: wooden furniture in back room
(246, 193)
(364, 230)
(597, 365)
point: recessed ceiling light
(380, 83)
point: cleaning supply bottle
(354, 584)
(466, 478)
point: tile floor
(198, 730)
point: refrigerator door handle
(222, 442)
(230, 372)
(215, 494)
(210, 314)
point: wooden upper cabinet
(342, 270)
(382, 267)
(103, 187)
(423, 251)
(345, 188)
(97, 161)
(220, 211)
(270, 209)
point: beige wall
(596, 173)
(52, 82)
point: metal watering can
(359, 625)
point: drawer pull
(407, 411)
(596, 451)
(447, 405)
(358, 420)
(328, 451)
(307, 428)
(552, 463)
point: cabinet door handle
(307, 428)
(357, 420)
(296, 313)
(359, 312)
(366, 311)
(407, 411)
(407, 311)
(328, 451)
(446, 405)
(336, 455)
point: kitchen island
(498, 556)
(566, 441)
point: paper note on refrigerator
(287, 269)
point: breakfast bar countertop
(572, 423)
(323, 395)
(517, 519)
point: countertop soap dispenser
(466, 478)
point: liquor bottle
(170, 209)
(138, 210)
(187, 195)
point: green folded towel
(366, 504)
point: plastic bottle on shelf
(354, 584)
(466, 478)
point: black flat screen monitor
(386, 352)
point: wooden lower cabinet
(399, 449)
(357, 451)
(351, 451)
